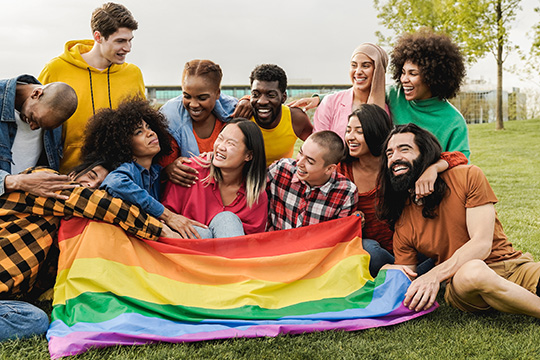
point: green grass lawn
(509, 159)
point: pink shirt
(333, 113)
(201, 202)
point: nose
(299, 159)
(263, 100)
(127, 46)
(193, 103)
(219, 145)
(404, 78)
(396, 155)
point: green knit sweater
(438, 116)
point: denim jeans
(223, 225)
(19, 319)
(380, 257)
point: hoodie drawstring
(92, 88)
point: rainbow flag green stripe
(106, 306)
(308, 279)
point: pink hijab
(380, 58)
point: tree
(478, 26)
(530, 66)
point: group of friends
(207, 165)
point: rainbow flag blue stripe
(114, 289)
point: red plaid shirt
(293, 203)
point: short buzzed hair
(110, 17)
(61, 99)
(270, 72)
(332, 144)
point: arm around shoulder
(301, 124)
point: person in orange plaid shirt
(28, 225)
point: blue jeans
(223, 225)
(19, 319)
(380, 257)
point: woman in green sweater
(429, 70)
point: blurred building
(477, 102)
(159, 94)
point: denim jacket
(180, 122)
(52, 139)
(133, 183)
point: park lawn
(508, 158)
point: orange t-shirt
(175, 154)
(439, 238)
(207, 145)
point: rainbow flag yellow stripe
(115, 289)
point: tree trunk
(499, 115)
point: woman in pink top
(230, 198)
(367, 74)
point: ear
(284, 97)
(330, 169)
(249, 156)
(97, 37)
(37, 93)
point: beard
(405, 182)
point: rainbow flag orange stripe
(114, 289)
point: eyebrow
(230, 139)
(400, 146)
(308, 157)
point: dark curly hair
(270, 72)
(440, 61)
(109, 133)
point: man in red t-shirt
(456, 226)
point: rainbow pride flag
(114, 289)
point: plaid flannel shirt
(293, 203)
(28, 226)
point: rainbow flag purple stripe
(114, 289)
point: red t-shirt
(202, 201)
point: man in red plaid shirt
(309, 190)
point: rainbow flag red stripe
(114, 289)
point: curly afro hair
(109, 132)
(440, 61)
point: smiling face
(92, 178)
(310, 164)
(145, 143)
(412, 82)
(115, 48)
(354, 138)
(36, 113)
(266, 100)
(402, 154)
(361, 72)
(230, 151)
(199, 97)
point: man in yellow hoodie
(97, 70)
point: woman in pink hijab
(367, 74)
